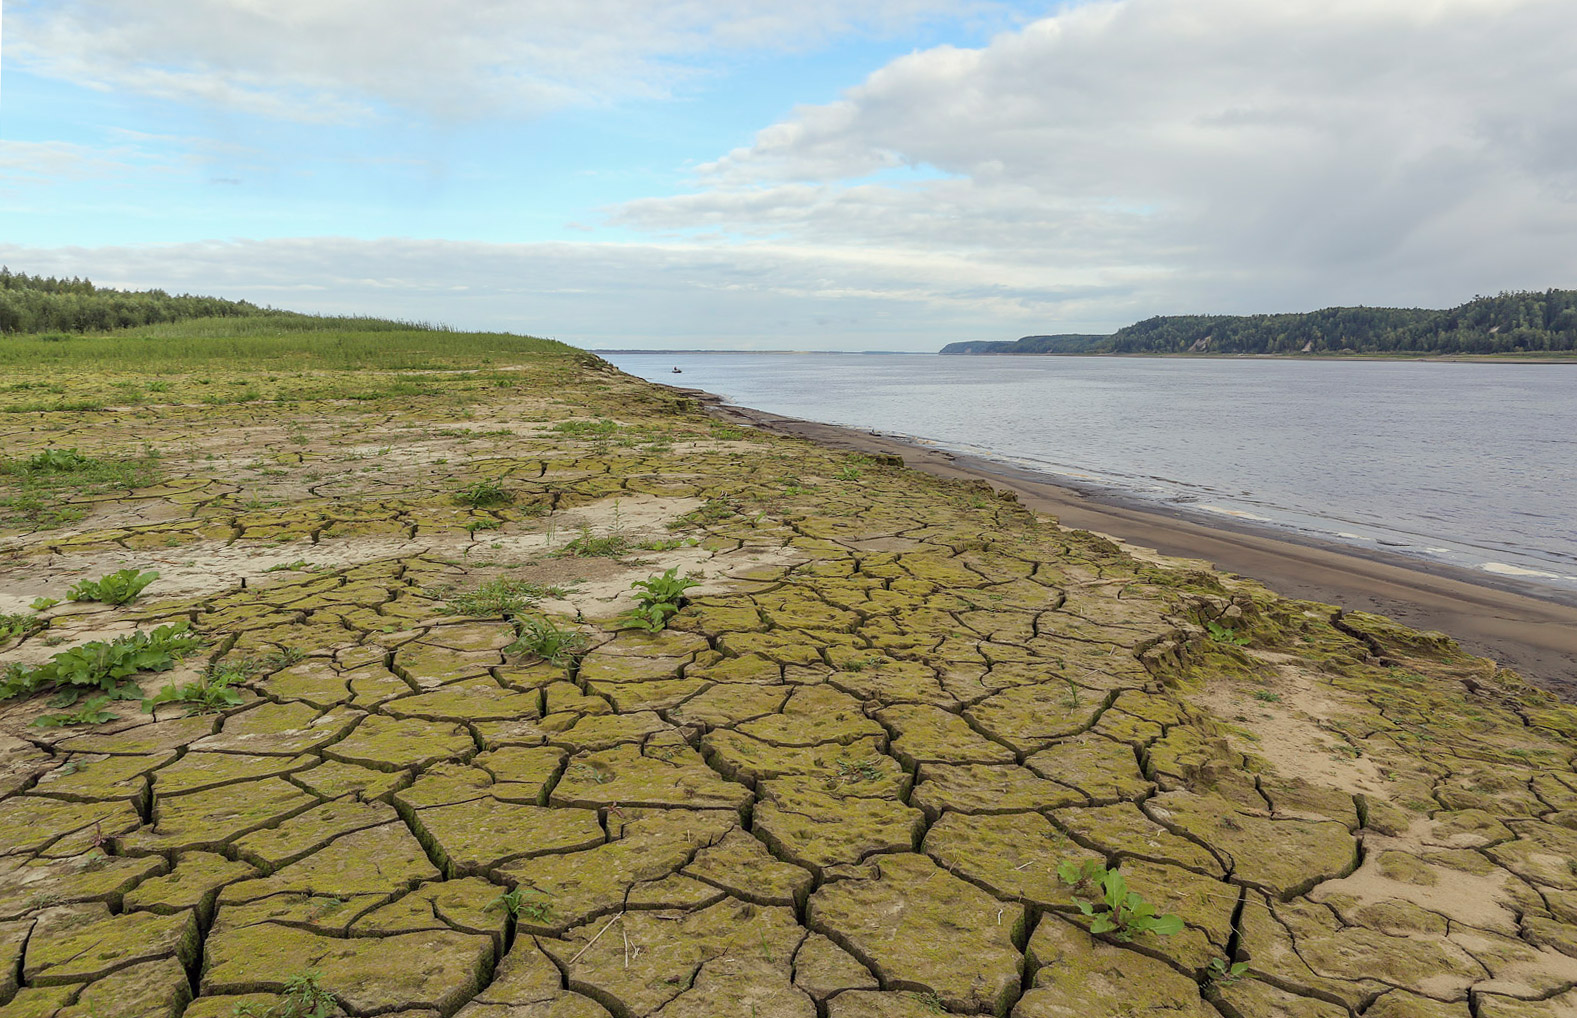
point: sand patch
(1290, 731)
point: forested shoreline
(35, 304)
(1525, 322)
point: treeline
(1065, 343)
(46, 304)
(1522, 322)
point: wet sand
(1525, 628)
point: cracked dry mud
(838, 784)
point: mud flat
(1528, 628)
(840, 781)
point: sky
(793, 174)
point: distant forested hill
(1524, 322)
(46, 304)
(1067, 343)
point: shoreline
(1530, 630)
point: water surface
(1466, 463)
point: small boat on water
(678, 372)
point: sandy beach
(1521, 626)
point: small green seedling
(1117, 910)
(1225, 973)
(517, 905)
(43, 604)
(117, 588)
(210, 694)
(92, 712)
(1226, 634)
(303, 998)
(550, 643)
(659, 599)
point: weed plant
(117, 588)
(1112, 907)
(515, 903)
(213, 691)
(17, 625)
(94, 711)
(102, 668)
(541, 637)
(1226, 634)
(303, 998)
(35, 493)
(496, 598)
(588, 545)
(659, 599)
(484, 493)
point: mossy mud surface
(839, 783)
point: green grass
(495, 598)
(279, 342)
(35, 491)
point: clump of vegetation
(484, 493)
(94, 711)
(589, 545)
(213, 691)
(659, 599)
(120, 587)
(1113, 907)
(101, 667)
(36, 492)
(303, 998)
(1226, 634)
(496, 598)
(515, 903)
(17, 625)
(541, 637)
(1225, 973)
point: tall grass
(277, 341)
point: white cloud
(1226, 154)
(340, 61)
(44, 162)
